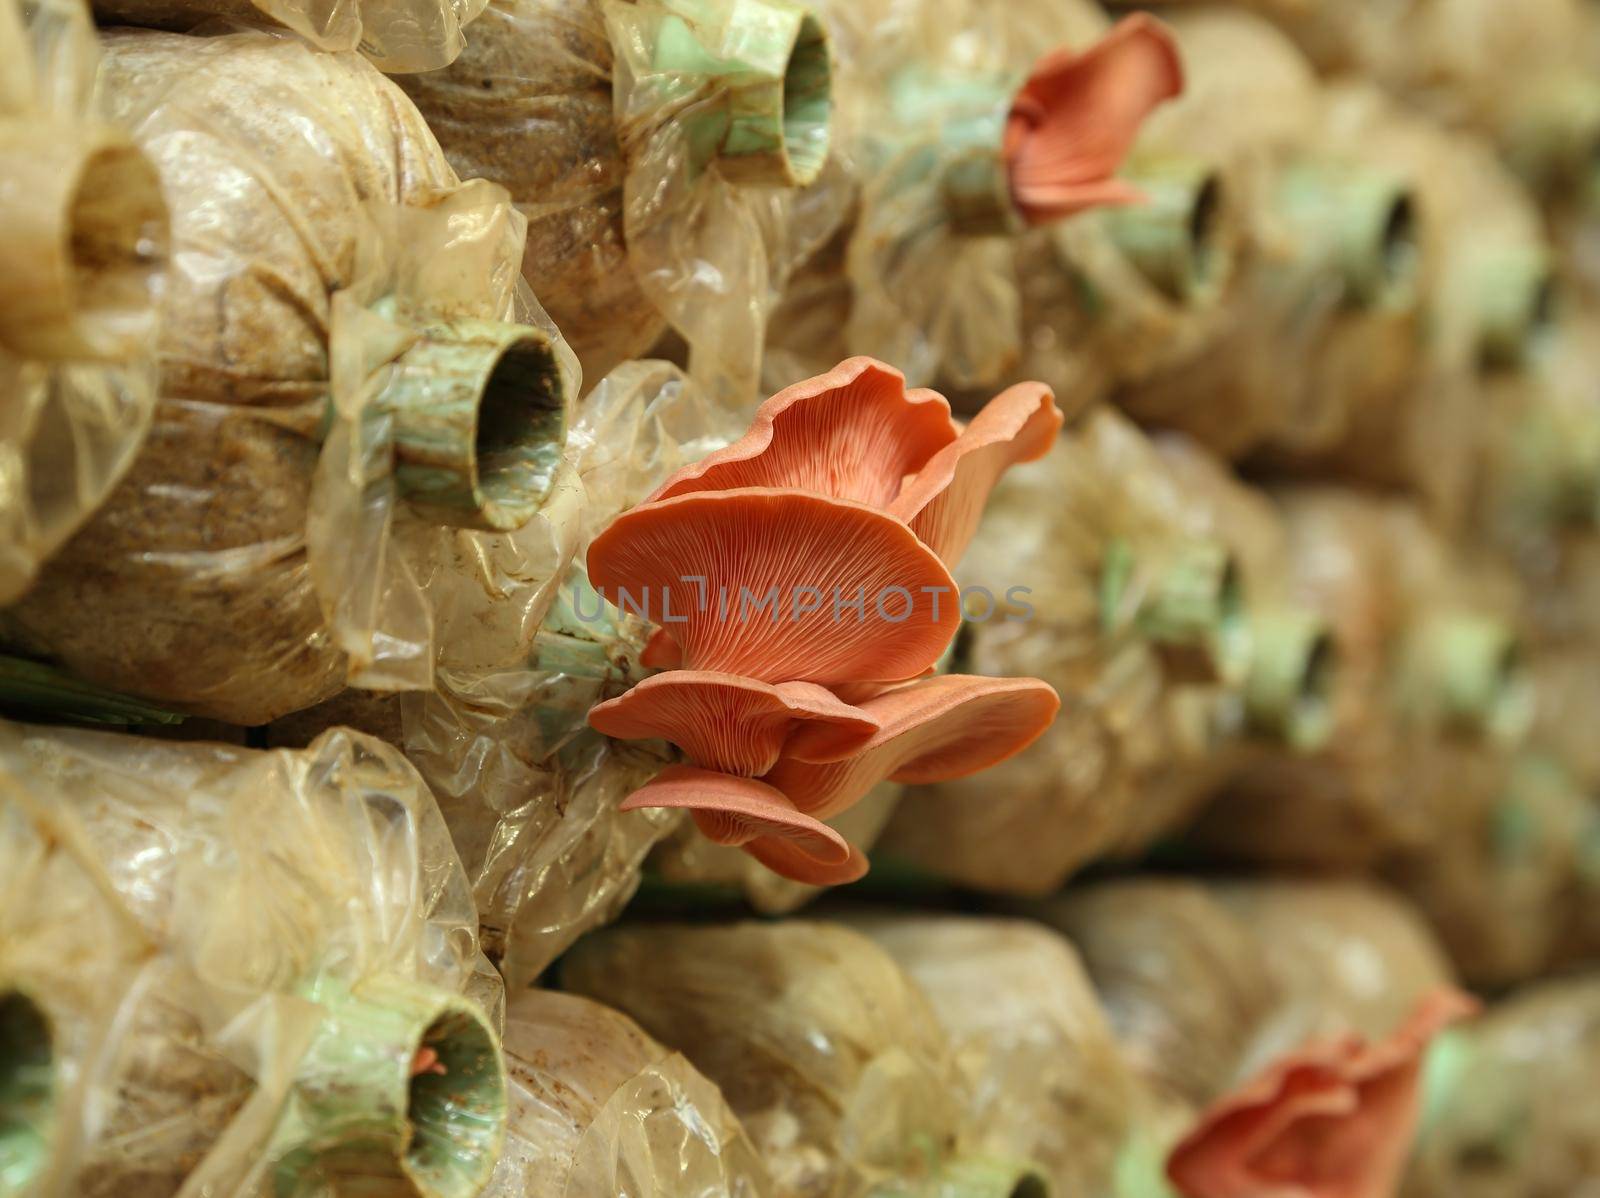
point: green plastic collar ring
(1179, 238)
(27, 1093)
(1477, 675)
(774, 126)
(988, 1177)
(1195, 615)
(1289, 689)
(1517, 298)
(404, 1081)
(480, 422)
(1366, 224)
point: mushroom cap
(733, 811)
(704, 564)
(724, 722)
(783, 858)
(1333, 1119)
(1078, 114)
(931, 731)
(853, 433)
(944, 502)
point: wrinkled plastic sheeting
(68, 428)
(301, 568)
(599, 1109)
(179, 910)
(529, 790)
(1025, 825)
(1044, 1077)
(396, 35)
(824, 1048)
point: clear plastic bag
(339, 360)
(1328, 274)
(396, 35)
(599, 1109)
(1507, 1105)
(1094, 584)
(1414, 420)
(636, 139)
(529, 790)
(1137, 297)
(1431, 695)
(84, 261)
(1181, 980)
(927, 269)
(240, 973)
(825, 1049)
(1044, 1078)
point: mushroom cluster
(801, 579)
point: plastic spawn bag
(1507, 1100)
(1344, 956)
(1128, 296)
(1181, 980)
(926, 272)
(1082, 573)
(529, 790)
(1504, 882)
(238, 973)
(1412, 419)
(1327, 277)
(599, 1109)
(338, 360)
(396, 35)
(656, 148)
(1429, 687)
(82, 263)
(1044, 1077)
(825, 1049)
(1284, 697)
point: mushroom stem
(1288, 693)
(357, 1109)
(1362, 225)
(987, 1177)
(83, 234)
(774, 73)
(1468, 668)
(480, 411)
(27, 1092)
(1178, 239)
(1516, 300)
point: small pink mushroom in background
(1077, 116)
(1334, 1119)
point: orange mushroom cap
(853, 433)
(737, 811)
(944, 501)
(931, 731)
(1331, 1120)
(724, 722)
(661, 652)
(783, 858)
(703, 565)
(1078, 114)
